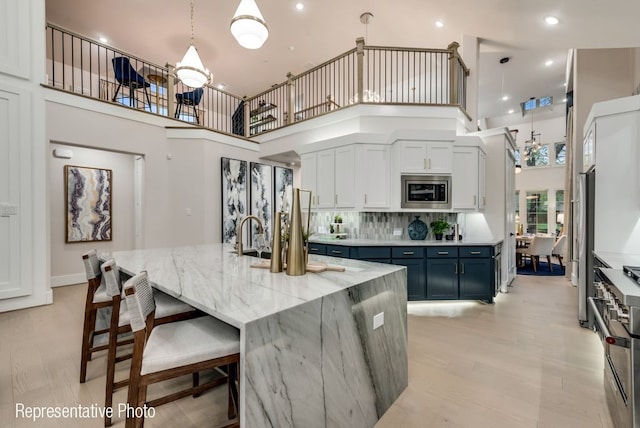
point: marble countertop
(617, 260)
(212, 277)
(402, 242)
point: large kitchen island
(310, 356)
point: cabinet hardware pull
(443, 253)
(335, 199)
(424, 163)
(456, 268)
(365, 198)
(336, 252)
(484, 200)
(475, 252)
(474, 199)
(462, 268)
(315, 250)
(429, 163)
(408, 253)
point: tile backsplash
(375, 225)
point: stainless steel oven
(426, 191)
(616, 309)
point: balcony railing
(363, 75)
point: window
(539, 157)
(537, 205)
(561, 153)
(559, 211)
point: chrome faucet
(239, 232)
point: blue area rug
(543, 269)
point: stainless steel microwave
(426, 191)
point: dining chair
(189, 99)
(96, 299)
(168, 309)
(559, 248)
(167, 351)
(127, 76)
(540, 246)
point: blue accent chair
(189, 99)
(127, 76)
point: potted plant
(439, 226)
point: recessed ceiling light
(511, 111)
(548, 62)
(222, 85)
(292, 48)
(103, 40)
(439, 24)
(505, 97)
(564, 100)
(551, 20)
(299, 6)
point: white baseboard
(62, 280)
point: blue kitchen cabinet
(338, 251)
(442, 279)
(315, 248)
(476, 279)
(413, 259)
(416, 277)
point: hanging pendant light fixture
(190, 70)
(248, 26)
(532, 145)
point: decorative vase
(417, 229)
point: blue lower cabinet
(416, 277)
(476, 279)
(442, 279)
(338, 251)
(433, 273)
(320, 249)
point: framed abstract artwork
(282, 188)
(261, 196)
(88, 204)
(234, 197)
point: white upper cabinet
(330, 175)
(468, 180)
(345, 172)
(374, 176)
(308, 177)
(419, 157)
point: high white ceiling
(159, 31)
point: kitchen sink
(253, 253)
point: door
(413, 157)
(464, 192)
(475, 279)
(439, 158)
(325, 179)
(442, 279)
(345, 177)
(374, 175)
(585, 224)
(509, 249)
(308, 173)
(416, 280)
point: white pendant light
(190, 70)
(248, 26)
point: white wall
(182, 172)
(65, 259)
(24, 237)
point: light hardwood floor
(522, 362)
